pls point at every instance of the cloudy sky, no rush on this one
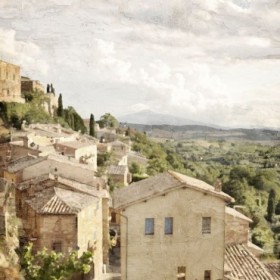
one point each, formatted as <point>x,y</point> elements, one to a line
<point>214,61</point>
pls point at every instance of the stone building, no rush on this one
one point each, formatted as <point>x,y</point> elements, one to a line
<point>172,227</point>
<point>83,151</point>
<point>10,85</point>
<point>119,174</point>
<point>62,216</point>
<point>31,85</point>
<point>241,255</point>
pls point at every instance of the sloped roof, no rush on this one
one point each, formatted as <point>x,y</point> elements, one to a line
<point>76,144</point>
<point>60,201</point>
<point>242,264</point>
<point>232,212</point>
<point>21,163</point>
<point>159,184</point>
<point>97,187</point>
<point>274,269</point>
<point>117,169</point>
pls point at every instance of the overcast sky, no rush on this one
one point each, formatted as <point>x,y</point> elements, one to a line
<point>214,61</point>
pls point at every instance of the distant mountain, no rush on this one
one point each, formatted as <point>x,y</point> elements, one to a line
<point>148,117</point>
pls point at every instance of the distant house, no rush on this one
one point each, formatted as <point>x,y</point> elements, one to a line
<point>119,174</point>
<point>83,151</point>
<point>106,135</point>
<point>31,85</point>
<point>172,227</point>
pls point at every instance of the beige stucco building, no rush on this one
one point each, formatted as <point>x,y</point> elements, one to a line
<point>10,85</point>
<point>172,227</point>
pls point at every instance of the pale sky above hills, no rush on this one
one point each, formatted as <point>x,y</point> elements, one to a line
<point>214,61</point>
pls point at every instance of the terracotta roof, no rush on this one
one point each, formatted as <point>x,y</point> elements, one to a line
<point>60,201</point>
<point>159,184</point>
<point>232,212</point>
<point>240,263</point>
<point>274,269</point>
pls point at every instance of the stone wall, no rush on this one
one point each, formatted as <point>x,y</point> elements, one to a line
<point>10,85</point>
<point>90,234</point>
<point>237,230</point>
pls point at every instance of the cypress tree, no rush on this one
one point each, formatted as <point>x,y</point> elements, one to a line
<point>271,205</point>
<point>92,126</point>
<point>60,106</point>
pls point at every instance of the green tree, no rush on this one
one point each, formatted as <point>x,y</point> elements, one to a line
<point>60,106</point>
<point>45,265</point>
<point>107,120</point>
<point>277,208</point>
<point>271,205</point>
<point>92,126</point>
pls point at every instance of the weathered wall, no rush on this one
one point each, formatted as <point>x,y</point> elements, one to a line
<point>53,228</point>
<point>31,85</point>
<point>158,256</point>
<point>237,230</point>
<point>105,230</point>
<point>10,83</point>
<point>90,154</point>
<point>90,234</point>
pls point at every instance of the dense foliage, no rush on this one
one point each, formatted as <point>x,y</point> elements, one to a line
<point>45,265</point>
<point>107,120</point>
<point>13,114</point>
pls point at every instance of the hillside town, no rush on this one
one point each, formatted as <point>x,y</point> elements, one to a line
<point>57,193</point>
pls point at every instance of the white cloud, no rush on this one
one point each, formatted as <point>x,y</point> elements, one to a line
<point>23,53</point>
<point>201,59</point>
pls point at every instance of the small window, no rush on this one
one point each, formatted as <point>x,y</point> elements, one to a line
<point>57,246</point>
<point>181,275</point>
<point>207,275</point>
<point>206,225</point>
<point>168,225</point>
<point>149,226</point>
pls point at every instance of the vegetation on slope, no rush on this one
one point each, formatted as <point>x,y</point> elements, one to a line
<point>13,114</point>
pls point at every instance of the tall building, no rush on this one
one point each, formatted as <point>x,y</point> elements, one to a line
<point>10,83</point>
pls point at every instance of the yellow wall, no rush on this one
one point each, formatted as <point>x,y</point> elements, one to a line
<point>90,234</point>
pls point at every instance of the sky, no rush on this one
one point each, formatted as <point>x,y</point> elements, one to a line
<point>214,61</point>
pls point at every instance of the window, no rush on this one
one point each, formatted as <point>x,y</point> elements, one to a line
<point>168,225</point>
<point>181,275</point>
<point>207,275</point>
<point>113,217</point>
<point>206,225</point>
<point>149,226</point>
<point>57,246</point>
